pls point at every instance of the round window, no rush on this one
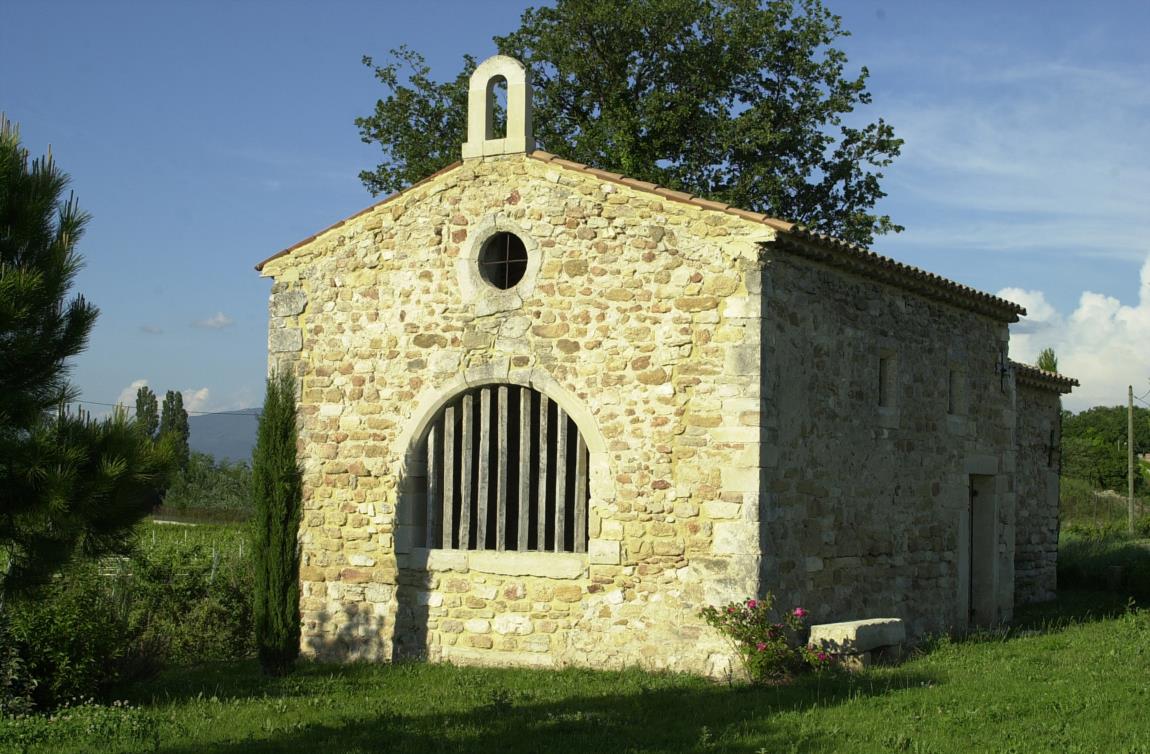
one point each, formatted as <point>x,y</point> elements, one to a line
<point>503,260</point>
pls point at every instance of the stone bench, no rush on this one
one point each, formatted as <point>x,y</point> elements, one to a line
<point>859,641</point>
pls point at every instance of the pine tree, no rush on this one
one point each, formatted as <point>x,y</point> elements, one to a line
<point>147,412</point>
<point>174,425</point>
<point>1047,360</point>
<point>277,498</point>
<point>67,484</point>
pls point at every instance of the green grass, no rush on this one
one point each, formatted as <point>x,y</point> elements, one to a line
<point>1073,677</point>
<point>228,538</point>
<point>1105,560</point>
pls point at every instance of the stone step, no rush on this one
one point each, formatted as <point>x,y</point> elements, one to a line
<point>858,636</point>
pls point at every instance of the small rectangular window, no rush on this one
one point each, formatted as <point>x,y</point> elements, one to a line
<point>887,380</point>
<point>957,403</point>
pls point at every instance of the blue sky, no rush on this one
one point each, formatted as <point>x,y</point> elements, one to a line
<point>204,137</point>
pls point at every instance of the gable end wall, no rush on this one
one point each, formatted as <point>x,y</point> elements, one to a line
<point>643,311</point>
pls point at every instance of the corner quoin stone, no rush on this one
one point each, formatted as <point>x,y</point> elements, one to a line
<point>285,340</point>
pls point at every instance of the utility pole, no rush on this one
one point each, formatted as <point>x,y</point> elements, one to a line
<point>1130,457</point>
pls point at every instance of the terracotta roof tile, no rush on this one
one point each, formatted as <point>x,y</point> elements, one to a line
<point>709,204</point>
<point>1026,374</point>
<point>636,183</point>
<point>672,194</point>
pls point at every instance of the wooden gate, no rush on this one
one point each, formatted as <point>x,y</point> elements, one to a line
<point>506,470</point>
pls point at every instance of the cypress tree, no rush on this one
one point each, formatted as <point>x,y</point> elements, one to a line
<point>277,497</point>
<point>147,412</point>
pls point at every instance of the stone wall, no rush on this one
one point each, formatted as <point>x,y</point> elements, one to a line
<point>727,389</point>
<point>638,314</point>
<point>1039,464</point>
<point>866,506</point>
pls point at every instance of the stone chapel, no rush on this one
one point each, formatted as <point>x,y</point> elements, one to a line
<point>548,412</point>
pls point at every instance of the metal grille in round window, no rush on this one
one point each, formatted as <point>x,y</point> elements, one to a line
<point>503,260</point>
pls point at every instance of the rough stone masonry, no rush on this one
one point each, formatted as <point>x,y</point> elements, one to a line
<point>762,409</point>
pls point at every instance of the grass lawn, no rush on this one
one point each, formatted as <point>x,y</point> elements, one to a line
<point>1050,684</point>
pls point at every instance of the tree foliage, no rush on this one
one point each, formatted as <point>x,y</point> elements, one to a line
<point>67,484</point>
<point>147,412</point>
<point>277,498</point>
<point>1047,360</point>
<point>743,101</point>
<point>174,426</point>
<point>210,484</point>
<point>1094,445</point>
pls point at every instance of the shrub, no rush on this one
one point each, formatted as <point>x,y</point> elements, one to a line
<point>99,623</point>
<point>190,606</point>
<point>16,683</point>
<point>770,651</point>
<point>72,636</point>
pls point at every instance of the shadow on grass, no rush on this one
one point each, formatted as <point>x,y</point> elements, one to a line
<point>646,713</point>
<point>1113,563</point>
<point>1071,607</point>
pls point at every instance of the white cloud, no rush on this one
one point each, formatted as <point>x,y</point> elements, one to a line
<point>151,330</point>
<point>217,321</point>
<point>127,396</point>
<point>196,399</point>
<point>1102,343</point>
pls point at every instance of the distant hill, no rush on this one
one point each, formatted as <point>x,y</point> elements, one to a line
<point>229,436</point>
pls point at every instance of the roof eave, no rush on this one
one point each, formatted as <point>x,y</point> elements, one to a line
<point>844,254</point>
<point>1027,374</point>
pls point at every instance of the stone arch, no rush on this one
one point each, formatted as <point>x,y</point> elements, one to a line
<point>481,137</point>
<point>411,499</point>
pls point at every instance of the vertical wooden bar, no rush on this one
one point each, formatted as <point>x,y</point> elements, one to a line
<point>501,473</point>
<point>465,476</point>
<point>581,495</point>
<point>541,500</point>
<point>484,465</point>
<point>560,479</point>
<point>448,477</point>
<point>433,501</point>
<point>524,467</point>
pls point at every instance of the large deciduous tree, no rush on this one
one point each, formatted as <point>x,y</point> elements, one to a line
<point>277,499</point>
<point>67,484</point>
<point>742,101</point>
<point>1094,445</point>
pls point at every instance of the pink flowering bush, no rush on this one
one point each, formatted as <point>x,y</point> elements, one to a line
<point>771,650</point>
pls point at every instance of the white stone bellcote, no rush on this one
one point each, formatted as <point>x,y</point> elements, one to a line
<point>482,141</point>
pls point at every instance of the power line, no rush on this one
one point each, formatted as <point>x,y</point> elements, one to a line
<point>190,413</point>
